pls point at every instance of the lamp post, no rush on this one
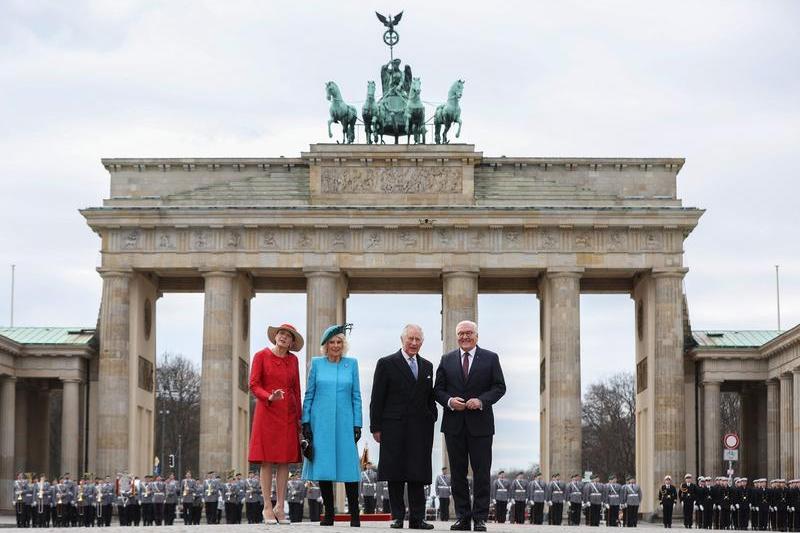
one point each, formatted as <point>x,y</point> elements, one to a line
<point>167,392</point>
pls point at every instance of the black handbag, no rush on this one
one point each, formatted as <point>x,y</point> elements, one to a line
<point>307,449</point>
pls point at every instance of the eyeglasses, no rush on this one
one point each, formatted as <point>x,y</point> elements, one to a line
<point>465,334</point>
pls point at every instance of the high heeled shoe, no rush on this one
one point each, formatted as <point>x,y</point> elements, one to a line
<point>282,519</point>
<point>267,519</point>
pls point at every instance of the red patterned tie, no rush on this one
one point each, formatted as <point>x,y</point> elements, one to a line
<point>465,365</point>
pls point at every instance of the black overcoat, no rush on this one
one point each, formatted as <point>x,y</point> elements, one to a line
<point>404,411</point>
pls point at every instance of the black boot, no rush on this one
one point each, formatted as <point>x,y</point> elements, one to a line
<point>326,490</point>
<point>351,489</point>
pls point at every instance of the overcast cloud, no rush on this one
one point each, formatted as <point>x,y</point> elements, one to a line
<point>714,82</point>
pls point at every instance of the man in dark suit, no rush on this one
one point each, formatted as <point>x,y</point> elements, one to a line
<point>468,382</point>
<point>402,413</point>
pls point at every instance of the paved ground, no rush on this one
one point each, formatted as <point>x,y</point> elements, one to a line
<point>308,527</point>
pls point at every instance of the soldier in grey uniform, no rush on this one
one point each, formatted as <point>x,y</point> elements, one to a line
<point>61,501</point>
<point>499,496</point>
<point>231,497</point>
<point>70,511</point>
<point>146,499</point>
<point>18,501</point>
<point>105,490</point>
<point>536,491</point>
<point>519,493</point>
<point>314,497</point>
<point>170,499</point>
<point>241,486</point>
<point>554,496</point>
<point>611,500</point>
<point>295,496</point>
<point>82,502</point>
<point>197,505</point>
<point>368,487</point>
<point>574,495</point>
<point>211,497</point>
<point>42,498</point>
<point>187,492</point>
<point>631,498</point>
<point>159,497</point>
<point>593,499</point>
<point>382,491</point>
<point>252,488</point>
<point>443,492</point>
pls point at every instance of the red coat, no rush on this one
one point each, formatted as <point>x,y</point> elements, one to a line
<point>274,437</point>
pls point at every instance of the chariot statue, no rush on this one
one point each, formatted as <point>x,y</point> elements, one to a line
<point>400,110</point>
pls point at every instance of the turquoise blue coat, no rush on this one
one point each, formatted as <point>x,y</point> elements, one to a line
<point>332,405</point>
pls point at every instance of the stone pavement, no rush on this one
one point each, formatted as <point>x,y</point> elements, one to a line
<point>308,527</point>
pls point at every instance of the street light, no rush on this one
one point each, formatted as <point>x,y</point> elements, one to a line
<point>167,392</point>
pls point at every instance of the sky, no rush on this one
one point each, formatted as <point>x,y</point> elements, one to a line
<point>713,82</point>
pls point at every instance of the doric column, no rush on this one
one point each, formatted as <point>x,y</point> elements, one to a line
<point>459,303</point>
<point>21,430</point>
<point>70,425</point>
<point>796,420</point>
<point>563,385</point>
<point>216,385</point>
<point>669,442</point>
<point>7,412</point>
<point>712,438</point>
<point>324,306</point>
<point>113,399</point>
<point>787,427</point>
<point>773,429</point>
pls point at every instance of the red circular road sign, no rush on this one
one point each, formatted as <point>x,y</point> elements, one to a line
<point>731,441</point>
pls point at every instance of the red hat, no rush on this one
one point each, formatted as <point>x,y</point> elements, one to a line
<point>297,343</point>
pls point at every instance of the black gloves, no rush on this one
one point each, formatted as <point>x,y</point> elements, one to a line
<point>357,433</point>
<point>307,435</point>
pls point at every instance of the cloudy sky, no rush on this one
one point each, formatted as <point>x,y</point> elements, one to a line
<point>714,82</point>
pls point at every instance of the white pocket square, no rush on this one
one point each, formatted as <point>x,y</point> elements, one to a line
<point>428,377</point>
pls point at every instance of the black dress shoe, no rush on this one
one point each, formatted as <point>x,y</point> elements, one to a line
<point>462,524</point>
<point>420,525</point>
<point>397,524</point>
<point>479,525</point>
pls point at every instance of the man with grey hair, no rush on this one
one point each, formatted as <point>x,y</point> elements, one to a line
<point>402,412</point>
<point>469,381</point>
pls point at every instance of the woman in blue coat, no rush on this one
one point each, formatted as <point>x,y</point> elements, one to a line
<point>332,422</point>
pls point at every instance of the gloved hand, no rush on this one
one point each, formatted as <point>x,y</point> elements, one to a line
<point>307,431</point>
<point>357,433</point>
<point>702,508</point>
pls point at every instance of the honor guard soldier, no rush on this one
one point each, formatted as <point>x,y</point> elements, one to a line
<point>106,490</point>
<point>686,496</point>
<point>211,497</point>
<point>231,497</point>
<point>241,484</point>
<point>119,500</point>
<point>735,503</point>
<point>760,497</point>
<point>536,489</point>
<point>83,502</point>
<point>593,499</point>
<point>727,503</point>
<point>699,500</point>
<point>574,496</point>
<point>631,499</point>
<point>251,502</point>
<point>296,495</point>
<point>314,496</point>
<point>745,503</point>
<point>708,504</point>
<point>42,499</point>
<point>171,489</point>
<point>187,491</point>
<point>146,501</point>
<point>667,496</point>
<point>368,487</point>
<point>612,501</point>
<point>443,492</point>
<point>61,499</point>
<point>197,505</point>
<point>21,507</point>
<point>159,497</point>
<point>499,496</point>
<point>519,493</point>
<point>793,495</point>
<point>781,504</point>
<point>383,496</point>
<point>555,500</point>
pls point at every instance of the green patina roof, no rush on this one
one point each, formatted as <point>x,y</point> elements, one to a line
<point>717,338</point>
<point>48,335</point>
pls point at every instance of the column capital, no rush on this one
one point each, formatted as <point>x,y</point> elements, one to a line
<point>218,273</point>
<point>786,376</point>
<point>311,271</point>
<point>771,382</point>
<point>669,272</point>
<point>70,380</point>
<point>706,382</point>
<point>115,272</point>
<point>565,272</point>
<point>796,371</point>
<point>460,271</point>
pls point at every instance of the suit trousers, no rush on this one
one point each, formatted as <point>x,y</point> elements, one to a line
<point>667,516</point>
<point>537,513</point>
<point>416,501</point>
<point>612,515</point>
<point>555,514</point>
<point>463,450</point>
<point>519,512</point>
<point>500,511</point>
<point>369,504</point>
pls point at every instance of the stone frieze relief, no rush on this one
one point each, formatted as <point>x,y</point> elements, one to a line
<point>391,180</point>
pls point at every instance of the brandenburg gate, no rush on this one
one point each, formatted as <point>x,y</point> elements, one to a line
<point>344,219</point>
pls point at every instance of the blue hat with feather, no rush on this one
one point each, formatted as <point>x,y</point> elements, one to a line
<point>331,331</point>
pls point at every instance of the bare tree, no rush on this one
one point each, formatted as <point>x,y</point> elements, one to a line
<point>730,413</point>
<point>609,410</point>
<point>178,391</point>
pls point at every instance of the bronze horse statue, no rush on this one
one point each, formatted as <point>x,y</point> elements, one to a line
<point>341,112</point>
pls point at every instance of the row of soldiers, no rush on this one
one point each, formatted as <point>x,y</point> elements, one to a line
<point>591,499</point>
<point>150,501</point>
<point>724,503</point>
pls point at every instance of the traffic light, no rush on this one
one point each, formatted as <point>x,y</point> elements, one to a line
<point>172,460</point>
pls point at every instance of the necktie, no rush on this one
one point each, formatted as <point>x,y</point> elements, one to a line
<point>412,361</point>
<point>465,365</point>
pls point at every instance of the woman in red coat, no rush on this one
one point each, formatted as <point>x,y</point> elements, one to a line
<point>275,437</point>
